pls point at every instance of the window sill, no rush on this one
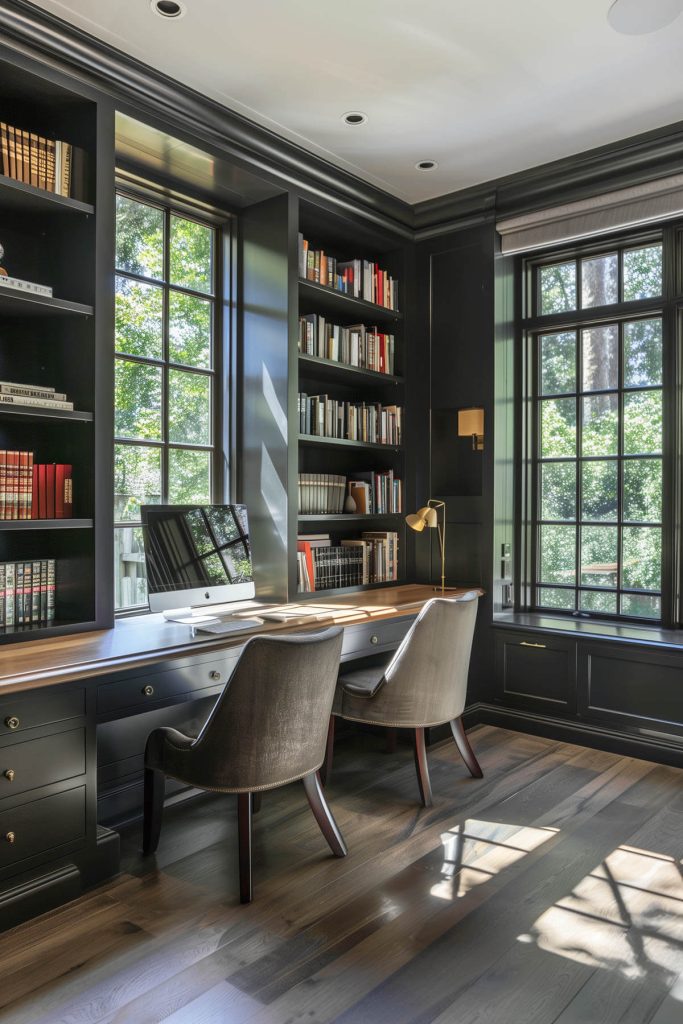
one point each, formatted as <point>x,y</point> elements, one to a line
<point>594,629</point>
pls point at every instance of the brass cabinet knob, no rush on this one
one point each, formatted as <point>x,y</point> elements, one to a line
<point>215,675</point>
<point>9,774</point>
<point>374,639</point>
<point>10,837</point>
<point>148,691</point>
<point>12,722</point>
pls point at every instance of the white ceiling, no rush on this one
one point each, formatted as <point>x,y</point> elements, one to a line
<point>484,87</point>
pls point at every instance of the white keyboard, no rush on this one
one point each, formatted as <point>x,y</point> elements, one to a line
<point>228,626</point>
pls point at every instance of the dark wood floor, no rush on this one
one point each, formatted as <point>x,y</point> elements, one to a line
<point>549,891</point>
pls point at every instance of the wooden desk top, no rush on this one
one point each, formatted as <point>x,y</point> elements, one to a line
<point>144,640</point>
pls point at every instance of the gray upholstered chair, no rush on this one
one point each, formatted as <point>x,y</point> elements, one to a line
<point>268,728</point>
<point>424,684</point>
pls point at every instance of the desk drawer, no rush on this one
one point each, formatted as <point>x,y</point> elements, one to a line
<point>371,637</point>
<point>33,763</point>
<point>148,690</point>
<point>22,712</point>
<point>41,825</point>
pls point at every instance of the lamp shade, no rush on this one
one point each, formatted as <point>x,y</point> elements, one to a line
<point>424,516</point>
<point>470,422</point>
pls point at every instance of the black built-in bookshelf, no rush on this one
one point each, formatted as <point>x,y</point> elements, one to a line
<point>61,342</point>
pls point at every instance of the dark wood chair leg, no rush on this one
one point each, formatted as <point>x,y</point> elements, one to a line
<point>155,785</point>
<point>323,814</point>
<point>244,810</point>
<point>463,745</point>
<point>422,768</point>
<point>326,766</point>
<point>391,741</point>
<point>256,801</point>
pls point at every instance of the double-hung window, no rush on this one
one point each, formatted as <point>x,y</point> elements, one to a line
<point>593,344</point>
<point>167,353</point>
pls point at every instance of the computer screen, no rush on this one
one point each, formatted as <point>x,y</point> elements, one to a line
<point>196,554</point>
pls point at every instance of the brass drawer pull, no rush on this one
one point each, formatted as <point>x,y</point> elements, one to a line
<point>374,639</point>
<point>525,643</point>
<point>148,691</point>
<point>12,722</point>
<point>10,837</point>
<point>215,675</point>
<point>9,774</point>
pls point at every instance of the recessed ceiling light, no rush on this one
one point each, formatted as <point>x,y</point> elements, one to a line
<point>168,8</point>
<point>426,165</point>
<point>639,17</point>
<point>354,117</point>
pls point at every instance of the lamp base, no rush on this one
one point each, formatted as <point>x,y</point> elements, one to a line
<point>445,590</point>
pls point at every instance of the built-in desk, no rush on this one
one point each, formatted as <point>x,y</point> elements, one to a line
<point>55,695</point>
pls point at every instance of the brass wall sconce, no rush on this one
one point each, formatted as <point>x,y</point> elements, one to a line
<point>428,516</point>
<point>471,424</point>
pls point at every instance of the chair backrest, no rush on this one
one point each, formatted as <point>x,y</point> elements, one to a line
<point>425,682</point>
<point>269,725</point>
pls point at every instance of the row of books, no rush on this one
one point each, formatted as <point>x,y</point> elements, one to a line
<point>45,163</point>
<point>34,396</point>
<point>30,490</point>
<point>321,565</point>
<point>375,493</point>
<point>362,279</point>
<point>27,593</point>
<point>356,345</point>
<point>371,422</point>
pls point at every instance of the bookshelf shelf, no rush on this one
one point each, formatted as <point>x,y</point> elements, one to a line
<point>332,370</point>
<point>340,591</point>
<point>45,524</point>
<point>349,517</point>
<point>17,195</point>
<point>16,303</point>
<point>32,414</point>
<point>328,300</point>
<point>342,442</point>
<point>60,627</point>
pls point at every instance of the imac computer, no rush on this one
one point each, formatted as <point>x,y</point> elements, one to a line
<point>196,556</point>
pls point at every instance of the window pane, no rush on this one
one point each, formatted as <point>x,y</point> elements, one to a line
<point>553,597</point>
<point>130,574</point>
<point>557,554</point>
<point>642,353</point>
<point>558,363</point>
<point>642,605</point>
<point>642,557</point>
<point>599,489</point>
<point>137,480</point>
<point>139,238</point>
<point>598,601</point>
<point>643,490</point>
<point>558,287</point>
<point>189,330</point>
<point>191,255</point>
<point>642,422</point>
<point>558,427</point>
<point>600,358</point>
<point>189,407</point>
<point>599,556</point>
<point>138,401</point>
<point>600,280</point>
<point>139,330</point>
<point>558,490</point>
<point>600,425</point>
<point>188,477</point>
<point>642,272</point>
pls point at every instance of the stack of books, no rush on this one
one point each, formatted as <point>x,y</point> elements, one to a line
<point>45,163</point>
<point>371,422</point>
<point>321,493</point>
<point>376,493</point>
<point>362,279</point>
<point>27,593</point>
<point>356,345</point>
<point>32,491</point>
<point>16,478</point>
<point>379,554</point>
<point>321,565</point>
<point>34,396</point>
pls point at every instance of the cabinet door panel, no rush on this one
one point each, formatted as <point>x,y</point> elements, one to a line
<point>40,825</point>
<point>631,686</point>
<point>42,707</point>
<point>535,670</point>
<point>33,763</point>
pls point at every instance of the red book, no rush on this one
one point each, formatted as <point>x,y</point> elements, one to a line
<point>63,492</point>
<point>303,545</point>
<point>42,492</point>
<point>35,506</point>
<point>50,490</point>
<point>12,494</point>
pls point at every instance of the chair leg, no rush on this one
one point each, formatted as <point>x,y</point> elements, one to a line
<point>244,810</point>
<point>256,801</point>
<point>463,745</point>
<point>422,768</point>
<point>323,815</point>
<point>155,785</point>
<point>326,766</point>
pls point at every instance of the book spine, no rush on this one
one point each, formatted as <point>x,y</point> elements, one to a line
<point>10,594</point>
<point>51,590</point>
<point>22,390</point>
<point>50,490</point>
<point>3,595</point>
<point>43,590</point>
<point>35,592</point>
<point>35,514</point>
<point>35,403</point>
<point>50,164</point>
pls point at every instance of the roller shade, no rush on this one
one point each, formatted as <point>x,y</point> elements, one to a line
<point>625,208</point>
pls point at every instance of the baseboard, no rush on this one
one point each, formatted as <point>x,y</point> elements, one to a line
<point>38,895</point>
<point>586,734</point>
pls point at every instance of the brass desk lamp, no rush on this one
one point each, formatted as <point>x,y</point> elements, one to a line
<point>428,516</point>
